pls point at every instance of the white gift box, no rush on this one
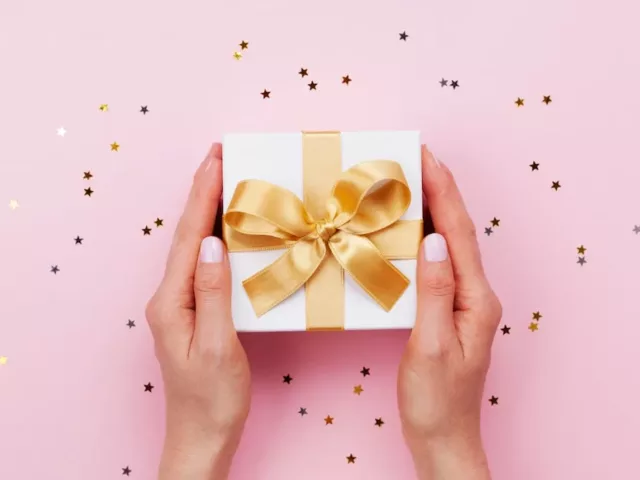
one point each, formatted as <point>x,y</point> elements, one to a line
<point>278,159</point>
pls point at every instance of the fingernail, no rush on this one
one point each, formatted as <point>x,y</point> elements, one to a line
<point>435,248</point>
<point>211,250</point>
<point>430,155</point>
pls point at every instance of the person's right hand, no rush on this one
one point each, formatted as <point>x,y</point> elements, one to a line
<point>443,369</point>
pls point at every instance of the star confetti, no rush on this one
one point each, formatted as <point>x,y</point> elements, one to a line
<point>148,387</point>
<point>104,107</point>
<point>266,93</point>
<point>61,132</point>
<point>3,360</point>
<point>115,147</point>
<point>303,72</point>
<point>13,204</point>
<point>534,166</point>
<point>443,82</point>
<point>506,330</point>
<point>636,229</point>
<point>555,185</point>
<point>488,231</point>
<point>379,422</point>
<point>302,411</point>
<point>581,249</point>
<point>146,231</point>
<point>581,261</point>
<point>88,192</point>
<point>493,400</point>
<point>546,99</point>
<point>126,471</point>
<point>358,389</point>
<point>328,420</point>
<point>144,109</point>
<point>533,326</point>
<point>287,379</point>
<point>455,84</point>
<point>536,316</point>
<point>365,371</point>
<point>312,85</point>
<point>346,79</point>
<point>519,102</point>
<point>131,324</point>
<point>495,222</point>
<point>404,36</point>
<point>87,176</point>
<point>351,458</point>
<point>159,222</point>
<point>237,55</point>
<point>54,269</point>
<point>78,240</point>
<point>244,45</point>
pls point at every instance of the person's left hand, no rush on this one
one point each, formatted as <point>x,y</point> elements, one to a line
<point>204,367</point>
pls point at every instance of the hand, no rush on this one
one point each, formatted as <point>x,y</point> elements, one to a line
<point>443,369</point>
<point>204,367</point>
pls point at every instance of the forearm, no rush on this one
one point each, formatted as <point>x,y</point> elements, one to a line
<point>450,460</point>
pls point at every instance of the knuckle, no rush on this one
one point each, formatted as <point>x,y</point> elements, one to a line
<point>209,281</point>
<point>491,307</point>
<point>431,349</point>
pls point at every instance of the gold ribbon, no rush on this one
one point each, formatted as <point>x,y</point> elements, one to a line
<point>351,225</point>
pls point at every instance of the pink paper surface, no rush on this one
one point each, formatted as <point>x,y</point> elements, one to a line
<point>72,401</point>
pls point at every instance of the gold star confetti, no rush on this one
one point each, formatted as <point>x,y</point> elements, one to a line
<point>3,360</point>
<point>244,45</point>
<point>104,107</point>
<point>495,222</point>
<point>346,79</point>
<point>555,185</point>
<point>328,420</point>
<point>533,326</point>
<point>546,99</point>
<point>351,458</point>
<point>237,55</point>
<point>536,316</point>
<point>115,147</point>
<point>519,102</point>
<point>13,204</point>
<point>358,389</point>
<point>582,249</point>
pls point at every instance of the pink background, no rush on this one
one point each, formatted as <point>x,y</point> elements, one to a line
<point>72,402</point>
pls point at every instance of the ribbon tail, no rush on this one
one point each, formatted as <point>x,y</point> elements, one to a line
<point>366,264</point>
<point>278,281</point>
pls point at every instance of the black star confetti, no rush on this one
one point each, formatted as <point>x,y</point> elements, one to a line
<point>88,192</point>
<point>506,330</point>
<point>126,471</point>
<point>144,110</point>
<point>379,422</point>
<point>131,324</point>
<point>493,400</point>
<point>455,84</point>
<point>287,379</point>
<point>303,72</point>
<point>148,387</point>
<point>546,99</point>
<point>519,102</point>
<point>312,85</point>
<point>146,231</point>
<point>244,45</point>
<point>488,231</point>
<point>555,185</point>
<point>404,36</point>
<point>351,458</point>
<point>266,93</point>
<point>87,176</point>
<point>581,261</point>
<point>536,316</point>
<point>365,371</point>
<point>346,79</point>
<point>302,411</point>
<point>636,229</point>
<point>159,222</point>
<point>78,240</point>
<point>495,222</point>
<point>443,82</point>
<point>534,166</point>
<point>54,269</point>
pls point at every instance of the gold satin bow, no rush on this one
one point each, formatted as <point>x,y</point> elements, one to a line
<point>366,199</point>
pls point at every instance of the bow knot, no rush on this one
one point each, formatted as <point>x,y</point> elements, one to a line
<point>325,230</point>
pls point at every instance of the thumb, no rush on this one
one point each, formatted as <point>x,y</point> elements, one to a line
<point>212,290</point>
<point>436,289</point>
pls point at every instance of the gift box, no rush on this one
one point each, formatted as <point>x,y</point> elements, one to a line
<point>323,229</point>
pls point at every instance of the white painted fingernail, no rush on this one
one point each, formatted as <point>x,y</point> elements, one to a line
<point>211,250</point>
<point>435,248</point>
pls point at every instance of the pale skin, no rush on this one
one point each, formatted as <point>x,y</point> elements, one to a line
<point>440,379</point>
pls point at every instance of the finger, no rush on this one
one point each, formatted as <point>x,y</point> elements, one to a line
<point>450,218</point>
<point>197,221</point>
<point>212,289</point>
<point>435,330</point>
